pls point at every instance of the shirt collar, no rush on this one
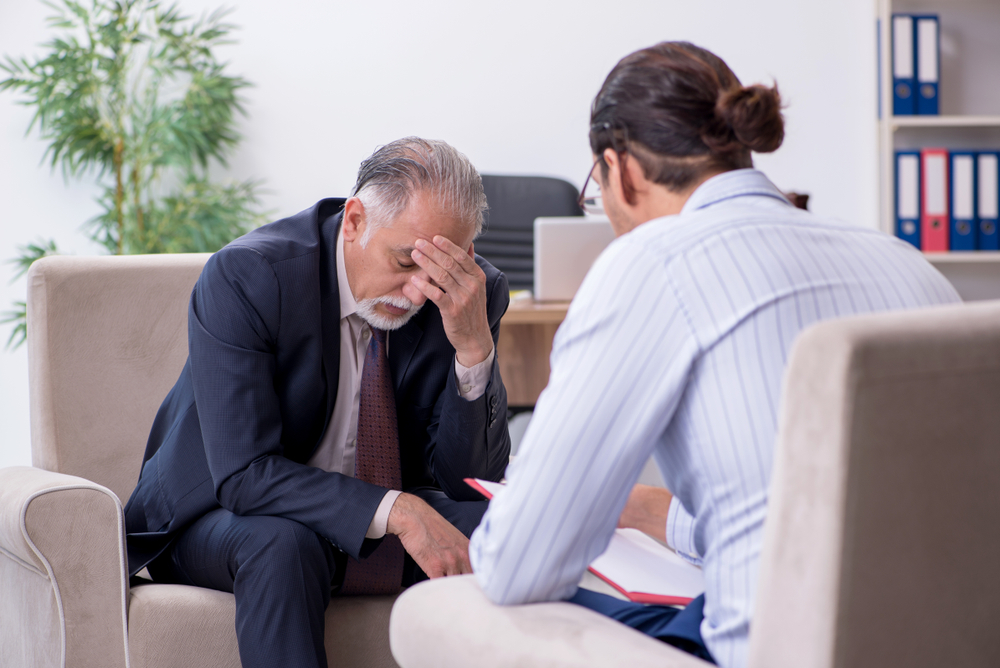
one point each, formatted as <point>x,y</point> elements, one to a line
<point>348,305</point>
<point>735,183</point>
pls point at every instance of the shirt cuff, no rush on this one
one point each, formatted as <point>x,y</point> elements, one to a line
<point>472,382</point>
<point>680,532</point>
<point>377,528</point>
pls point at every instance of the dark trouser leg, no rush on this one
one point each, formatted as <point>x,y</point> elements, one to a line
<point>464,516</point>
<point>280,572</point>
<point>680,628</point>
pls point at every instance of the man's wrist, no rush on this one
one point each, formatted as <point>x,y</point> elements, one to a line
<point>401,515</point>
<point>380,522</point>
<point>472,381</point>
<point>470,357</point>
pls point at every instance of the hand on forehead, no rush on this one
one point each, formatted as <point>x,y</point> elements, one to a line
<point>457,286</point>
<point>426,218</point>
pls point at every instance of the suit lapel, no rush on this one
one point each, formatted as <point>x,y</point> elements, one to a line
<point>330,307</point>
<point>331,351</point>
<point>402,344</point>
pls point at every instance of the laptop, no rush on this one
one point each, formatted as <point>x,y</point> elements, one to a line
<point>565,248</point>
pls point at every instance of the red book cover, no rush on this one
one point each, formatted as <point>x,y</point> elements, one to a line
<point>475,484</point>
<point>934,200</point>
<point>641,596</point>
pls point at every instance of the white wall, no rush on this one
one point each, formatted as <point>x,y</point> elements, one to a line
<point>508,83</point>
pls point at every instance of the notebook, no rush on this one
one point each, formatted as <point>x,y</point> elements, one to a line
<point>637,566</point>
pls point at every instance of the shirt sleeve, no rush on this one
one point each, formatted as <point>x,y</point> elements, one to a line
<point>680,532</point>
<point>472,381</point>
<point>381,519</point>
<point>619,364</point>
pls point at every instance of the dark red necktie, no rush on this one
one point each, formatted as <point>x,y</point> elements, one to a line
<point>377,461</point>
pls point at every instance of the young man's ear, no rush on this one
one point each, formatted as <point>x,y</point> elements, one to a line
<point>614,177</point>
<point>622,168</point>
<point>354,219</point>
<point>611,159</point>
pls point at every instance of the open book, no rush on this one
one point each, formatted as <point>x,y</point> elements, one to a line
<point>636,565</point>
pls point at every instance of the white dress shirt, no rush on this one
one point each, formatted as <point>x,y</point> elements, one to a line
<point>675,346</point>
<point>336,451</point>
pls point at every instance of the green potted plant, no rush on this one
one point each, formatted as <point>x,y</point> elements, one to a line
<point>130,93</point>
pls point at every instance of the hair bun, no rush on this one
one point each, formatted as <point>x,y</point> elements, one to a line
<point>754,114</point>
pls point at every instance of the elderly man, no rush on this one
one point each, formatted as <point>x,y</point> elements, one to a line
<point>317,438</point>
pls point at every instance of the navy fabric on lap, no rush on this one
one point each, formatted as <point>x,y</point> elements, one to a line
<point>277,568</point>
<point>680,628</point>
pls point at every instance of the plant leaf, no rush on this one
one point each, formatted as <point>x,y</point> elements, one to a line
<point>19,316</point>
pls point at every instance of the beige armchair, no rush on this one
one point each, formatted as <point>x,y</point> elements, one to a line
<point>882,544</point>
<point>107,338</point>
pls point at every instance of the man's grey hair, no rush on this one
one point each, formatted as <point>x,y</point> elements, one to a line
<point>395,172</point>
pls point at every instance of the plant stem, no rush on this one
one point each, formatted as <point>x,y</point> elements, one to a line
<point>119,192</point>
<point>138,203</point>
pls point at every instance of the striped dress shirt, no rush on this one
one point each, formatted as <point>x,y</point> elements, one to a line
<point>675,347</point>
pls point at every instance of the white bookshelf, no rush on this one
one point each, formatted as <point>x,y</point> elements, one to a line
<point>962,257</point>
<point>969,92</point>
<point>898,122</point>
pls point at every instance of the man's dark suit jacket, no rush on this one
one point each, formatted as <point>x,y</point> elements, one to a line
<point>260,383</point>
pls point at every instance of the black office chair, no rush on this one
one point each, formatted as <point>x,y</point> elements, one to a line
<point>508,240</point>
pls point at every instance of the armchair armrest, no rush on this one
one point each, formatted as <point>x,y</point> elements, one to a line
<point>62,571</point>
<point>449,623</point>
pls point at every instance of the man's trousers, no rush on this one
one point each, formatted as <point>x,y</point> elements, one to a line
<point>678,627</point>
<point>281,573</point>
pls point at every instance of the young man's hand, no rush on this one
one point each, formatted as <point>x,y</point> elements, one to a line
<point>646,510</point>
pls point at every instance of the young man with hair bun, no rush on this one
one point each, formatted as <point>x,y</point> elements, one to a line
<point>675,346</point>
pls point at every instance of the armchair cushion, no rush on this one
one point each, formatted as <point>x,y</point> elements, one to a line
<point>176,626</point>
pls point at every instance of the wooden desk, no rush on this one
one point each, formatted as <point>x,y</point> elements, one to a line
<point>526,333</point>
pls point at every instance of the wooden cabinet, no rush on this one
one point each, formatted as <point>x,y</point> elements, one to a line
<point>526,334</point>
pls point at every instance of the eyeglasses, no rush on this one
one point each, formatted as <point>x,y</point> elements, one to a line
<point>591,201</point>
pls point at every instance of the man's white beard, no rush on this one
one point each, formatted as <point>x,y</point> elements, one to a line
<point>366,309</point>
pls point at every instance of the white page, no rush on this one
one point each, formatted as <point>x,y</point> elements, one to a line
<point>637,563</point>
